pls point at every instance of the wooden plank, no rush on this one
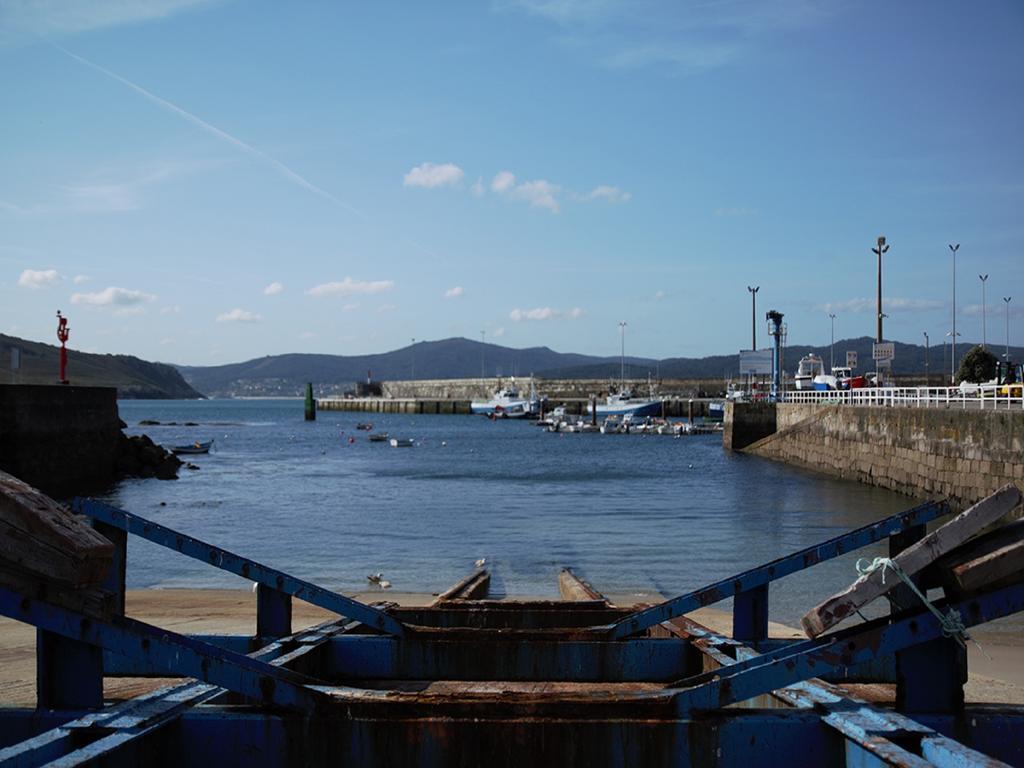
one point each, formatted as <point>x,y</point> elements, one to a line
<point>911,560</point>
<point>992,568</point>
<point>572,587</point>
<point>41,537</point>
<point>940,573</point>
<point>473,587</point>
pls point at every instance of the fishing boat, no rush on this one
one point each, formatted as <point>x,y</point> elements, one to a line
<point>401,442</point>
<point>623,403</point>
<point>365,426</point>
<point>196,447</point>
<point>379,437</point>
<point>809,367</point>
<point>508,403</point>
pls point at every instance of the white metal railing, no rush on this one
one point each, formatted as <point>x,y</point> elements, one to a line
<point>967,396</point>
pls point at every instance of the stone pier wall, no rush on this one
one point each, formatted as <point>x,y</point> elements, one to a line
<point>60,439</point>
<point>926,452</point>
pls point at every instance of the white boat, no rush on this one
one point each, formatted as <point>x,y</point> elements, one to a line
<point>612,426</point>
<point>401,442</point>
<point>809,367</point>
<point>622,403</point>
<point>508,403</point>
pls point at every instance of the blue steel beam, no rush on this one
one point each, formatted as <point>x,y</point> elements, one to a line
<point>761,674</point>
<point>178,654</point>
<point>134,719</point>
<point>241,566</point>
<point>868,729</point>
<point>784,566</point>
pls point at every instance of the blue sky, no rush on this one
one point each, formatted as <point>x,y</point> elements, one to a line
<point>207,182</point>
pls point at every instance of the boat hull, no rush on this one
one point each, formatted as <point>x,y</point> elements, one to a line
<point>638,408</point>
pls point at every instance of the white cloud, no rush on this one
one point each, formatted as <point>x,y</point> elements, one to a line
<point>478,187</point>
<point>545,313</point>
<point>430,175</point>
<point>895,304</point>
<point>33,20</point>
<point>503,181</point>
<point>166,341</point>
<point>608,193</point>
<point>453,293</point>
<point>79,279</point>
<point>350,287</point>
<point>38,278</point>
<point>539,194</point>
<point>307,335</point>
<point>273,289</point>
<point>112,296</point>
<point>238,316</point>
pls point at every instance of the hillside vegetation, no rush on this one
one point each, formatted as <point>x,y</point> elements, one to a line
<point>133,378</point>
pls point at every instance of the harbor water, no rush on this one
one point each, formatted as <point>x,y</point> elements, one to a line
<point>637,516</point>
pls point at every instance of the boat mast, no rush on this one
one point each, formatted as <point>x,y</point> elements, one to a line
<point>622,356</point>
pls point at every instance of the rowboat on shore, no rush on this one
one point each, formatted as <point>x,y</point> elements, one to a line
<point>196,447</point>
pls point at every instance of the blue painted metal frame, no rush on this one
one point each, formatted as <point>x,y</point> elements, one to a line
<point>763,575</point>
<point>802,661</point>
<point>241,566</point>
<point>179,654</point>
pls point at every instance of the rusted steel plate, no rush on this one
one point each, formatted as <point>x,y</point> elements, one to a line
<point>572,587</point>
<point>474,586</point>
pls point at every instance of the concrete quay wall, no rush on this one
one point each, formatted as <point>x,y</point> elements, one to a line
<point>60,439</point>
<point>924,452</point>
<point>553,389</point>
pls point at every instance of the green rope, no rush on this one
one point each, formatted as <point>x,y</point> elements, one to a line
<point>952,624</point>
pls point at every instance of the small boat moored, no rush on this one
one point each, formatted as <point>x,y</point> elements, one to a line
<point>401,442</point>
<point>379,437</point>
<point>196,447</point>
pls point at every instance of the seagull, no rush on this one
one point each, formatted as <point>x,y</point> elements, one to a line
<point>384,584</point>
<point>375,578</point>
<point>480,563</point>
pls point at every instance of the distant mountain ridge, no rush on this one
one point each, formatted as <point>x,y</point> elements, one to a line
<point>459,358</point>
<point>131,376</point>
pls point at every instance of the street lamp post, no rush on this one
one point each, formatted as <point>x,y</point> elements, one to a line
<point>832,345</point>
<point>1007,300</point>
<point>622,354</point>
<point>952,365</point>
<point>984,335</point>
<point>927,378</point>
<point>879,250</point>
<point>753,316</point>
<point>952,356</point>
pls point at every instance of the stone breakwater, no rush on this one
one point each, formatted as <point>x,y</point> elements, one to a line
<point>963,455</point>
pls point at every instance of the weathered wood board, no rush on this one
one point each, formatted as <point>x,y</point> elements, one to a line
<point>914,558</point>
<point>41,538</point>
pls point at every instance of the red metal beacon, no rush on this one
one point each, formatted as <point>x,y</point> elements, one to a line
<point>62,335</point>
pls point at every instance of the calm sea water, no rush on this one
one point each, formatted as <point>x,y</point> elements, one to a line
<point>634,515</point>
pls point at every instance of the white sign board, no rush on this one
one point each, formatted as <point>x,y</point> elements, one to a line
<point>885,351</point>
<point>755,362</point>
<point>851,359</point>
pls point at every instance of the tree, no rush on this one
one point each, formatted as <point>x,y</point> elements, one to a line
<point>978,366</point>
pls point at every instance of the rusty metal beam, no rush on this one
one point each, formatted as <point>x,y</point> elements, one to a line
<point>475,586</point>
<point>572,587</point>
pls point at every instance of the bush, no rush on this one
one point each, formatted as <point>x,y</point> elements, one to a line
<point>978,366</point>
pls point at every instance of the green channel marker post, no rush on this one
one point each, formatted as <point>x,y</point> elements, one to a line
<point>310,403</point>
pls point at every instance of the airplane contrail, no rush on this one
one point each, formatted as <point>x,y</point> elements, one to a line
<point>215,131</point>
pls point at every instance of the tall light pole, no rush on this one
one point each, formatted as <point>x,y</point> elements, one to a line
<point>984,339</point>
<point>927,378</point>
<point>832,346</point>
<point>952,357</point>
<point>879,250</point>
<point>1007,300</point>
<point>622,353</point>
<point>753,316</point>
<point>952,367</point>
<point>482,336</point>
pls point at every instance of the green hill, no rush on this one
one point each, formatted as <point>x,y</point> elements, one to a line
<point>133,378</point>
